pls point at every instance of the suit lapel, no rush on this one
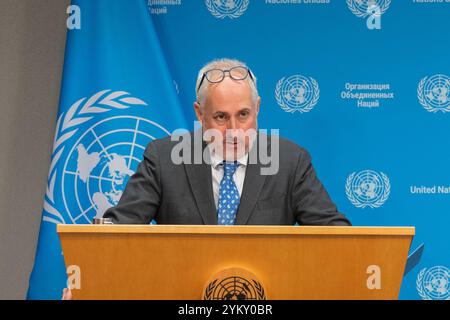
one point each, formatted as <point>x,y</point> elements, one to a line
<point>200,180</point>
<point>253,184</point>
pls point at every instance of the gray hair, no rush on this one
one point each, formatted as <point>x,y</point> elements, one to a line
<point>223,64</point>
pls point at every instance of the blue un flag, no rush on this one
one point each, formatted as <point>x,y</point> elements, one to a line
<point>116,96</point>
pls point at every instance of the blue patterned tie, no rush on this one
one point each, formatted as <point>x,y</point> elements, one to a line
<point>228,195</point>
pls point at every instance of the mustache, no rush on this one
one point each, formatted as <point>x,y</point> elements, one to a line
<point>233,140</point>
<point>229,140</point>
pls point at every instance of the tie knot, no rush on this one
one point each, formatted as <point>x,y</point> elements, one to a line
<point>229,168</point>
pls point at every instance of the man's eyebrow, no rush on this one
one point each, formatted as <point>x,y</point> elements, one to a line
<point>238,111</point>
<point>244,109</point>
<point>220,112</point>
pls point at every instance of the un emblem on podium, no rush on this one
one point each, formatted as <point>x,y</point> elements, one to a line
<point>234,284</point>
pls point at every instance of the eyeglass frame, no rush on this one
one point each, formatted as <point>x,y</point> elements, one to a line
<point>224,74</point>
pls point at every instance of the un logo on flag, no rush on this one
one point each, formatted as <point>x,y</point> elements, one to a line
<point>434,93</point>
<point>297,93</point>
<point>101,162</point>
<point>434,284</point>
<point>88,176</point>
<point>227,8</point>
<point>367,188</point>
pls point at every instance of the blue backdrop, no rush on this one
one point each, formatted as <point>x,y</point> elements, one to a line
<point>363,85</point>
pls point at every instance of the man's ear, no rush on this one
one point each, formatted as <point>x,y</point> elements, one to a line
<point>258,102</point>
<point>198,112</point>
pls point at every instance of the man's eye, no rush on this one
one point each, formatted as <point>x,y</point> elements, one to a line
<point>244,114</point>
<point>220,117</point>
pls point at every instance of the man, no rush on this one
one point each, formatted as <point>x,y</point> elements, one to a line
<point>225,187</point>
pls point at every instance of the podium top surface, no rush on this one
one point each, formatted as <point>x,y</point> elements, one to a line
<point>255,230</point>
<point>179,262</point>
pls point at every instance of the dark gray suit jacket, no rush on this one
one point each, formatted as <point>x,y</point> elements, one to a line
<point>182,194</point>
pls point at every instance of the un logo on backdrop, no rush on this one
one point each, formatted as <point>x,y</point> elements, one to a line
<point>98,165</point>
<point>297,93</point>
<point>372,10</point>
<point>434,284</point>
<point>367,188</point>
<point>434,93</point>
<point>364,8</point>
<point>227,8</point>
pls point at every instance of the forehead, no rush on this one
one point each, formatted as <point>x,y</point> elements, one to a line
<point>229,92</point>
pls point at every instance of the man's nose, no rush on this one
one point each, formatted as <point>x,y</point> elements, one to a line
<point>232,124</point>
<point>232,131</point>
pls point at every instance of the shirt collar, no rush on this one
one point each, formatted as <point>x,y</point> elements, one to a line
<point>217,160</point>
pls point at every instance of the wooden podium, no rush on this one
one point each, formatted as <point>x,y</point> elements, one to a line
<point>235,262</point>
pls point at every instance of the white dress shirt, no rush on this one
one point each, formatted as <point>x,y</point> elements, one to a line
<point>217,174</point>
